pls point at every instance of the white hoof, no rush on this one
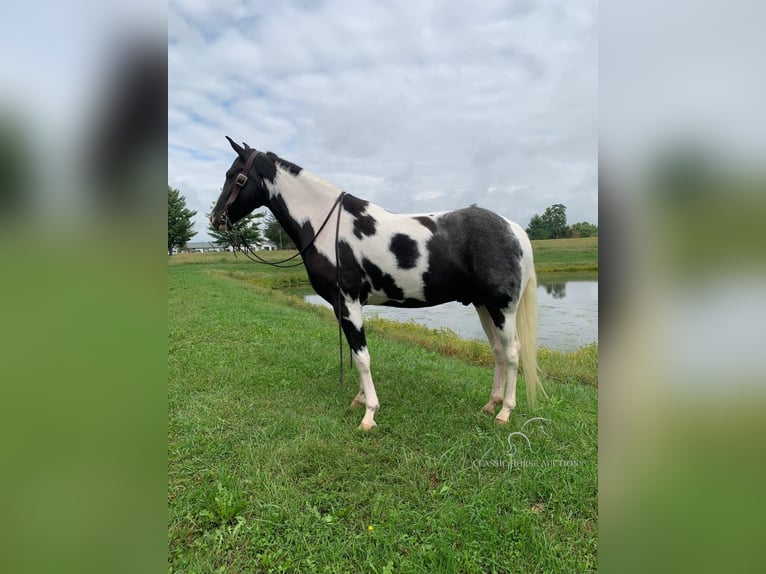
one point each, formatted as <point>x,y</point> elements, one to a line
<point>367,427</point>
<point>503,416</point>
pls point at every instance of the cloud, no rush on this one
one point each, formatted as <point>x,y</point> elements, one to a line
<point>413,106</point>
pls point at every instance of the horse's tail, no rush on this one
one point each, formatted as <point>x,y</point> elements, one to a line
<point>526,327</point>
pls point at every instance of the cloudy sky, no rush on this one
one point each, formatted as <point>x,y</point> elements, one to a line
<point>416,106</point>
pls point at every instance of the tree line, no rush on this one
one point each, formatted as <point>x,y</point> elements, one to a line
<point>552,224</point>
<point>260,226</point>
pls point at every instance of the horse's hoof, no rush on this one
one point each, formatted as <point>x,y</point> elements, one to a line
<point>499,421</point>
<point>356,404</point>
<point>489,408</point>
<point>367,427</point>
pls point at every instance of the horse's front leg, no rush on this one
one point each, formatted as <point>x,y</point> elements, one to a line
<point>354,330</point>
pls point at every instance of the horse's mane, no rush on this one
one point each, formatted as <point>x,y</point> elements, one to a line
<point>294,169</point>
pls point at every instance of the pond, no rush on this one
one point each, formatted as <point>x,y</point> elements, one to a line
<point>567,316</point>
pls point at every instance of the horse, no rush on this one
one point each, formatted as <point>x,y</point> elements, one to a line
<point>376,257</point>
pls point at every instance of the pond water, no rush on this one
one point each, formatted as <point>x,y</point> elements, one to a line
<point>567,315</point>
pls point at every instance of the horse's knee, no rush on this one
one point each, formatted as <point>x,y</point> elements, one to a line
<point>512,355</point>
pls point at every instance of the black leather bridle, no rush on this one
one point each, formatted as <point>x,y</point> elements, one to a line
<point>240,181</point>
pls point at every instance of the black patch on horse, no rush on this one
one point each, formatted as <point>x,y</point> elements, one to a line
<point>265,166</point>
<point>350,271</point>
<point>405,249</point>
<point>354,205</point>
<point>364,224</point>
<point>382,281</point>
<point>300,234</point>
<point>474,258</point>
<point>427,221</point>
<point>322,274</point>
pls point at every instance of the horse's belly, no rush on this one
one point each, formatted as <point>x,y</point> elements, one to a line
<point>398,290</point>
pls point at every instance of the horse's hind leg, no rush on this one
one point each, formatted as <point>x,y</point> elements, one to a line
<point>498,385</point>
<point>511,347</point>
<point>500,327</point>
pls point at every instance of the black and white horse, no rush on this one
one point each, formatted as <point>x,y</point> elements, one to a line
<point>470,255</point>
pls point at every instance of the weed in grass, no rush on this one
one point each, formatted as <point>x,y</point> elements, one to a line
<point>224,508</point>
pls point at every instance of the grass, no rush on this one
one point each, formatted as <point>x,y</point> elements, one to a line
<point>553,256</point>
<point>579,366</point>
<point>267,472</point>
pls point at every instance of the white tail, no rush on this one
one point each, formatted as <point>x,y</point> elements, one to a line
<point>526,327</point>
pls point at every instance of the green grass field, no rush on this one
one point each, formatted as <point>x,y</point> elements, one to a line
<point>554,256</point>
<point>267,471</point>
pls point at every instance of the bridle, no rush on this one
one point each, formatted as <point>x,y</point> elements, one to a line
<point>240,181</point>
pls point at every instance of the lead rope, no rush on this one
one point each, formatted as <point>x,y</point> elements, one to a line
<point>337,286</point>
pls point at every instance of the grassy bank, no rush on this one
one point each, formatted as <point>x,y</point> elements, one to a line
<point>267,472</point>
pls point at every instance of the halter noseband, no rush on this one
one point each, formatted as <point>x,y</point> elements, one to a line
<point>240,181</point>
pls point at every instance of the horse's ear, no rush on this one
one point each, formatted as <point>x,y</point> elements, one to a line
<point>247,147</point>
<point>236,147</point>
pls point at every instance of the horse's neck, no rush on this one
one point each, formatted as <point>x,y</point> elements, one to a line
<point>297,200</point>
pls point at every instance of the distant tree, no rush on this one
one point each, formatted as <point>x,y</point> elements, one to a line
<point>583,229</point>
<point>276,234</point>
<point>552,224</point>
<point>556,217</point>
<point>179,220</point>
<point>247,231</point>
<point>537,228</point>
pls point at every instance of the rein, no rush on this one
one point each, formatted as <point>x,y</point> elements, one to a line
<point>253,256</point>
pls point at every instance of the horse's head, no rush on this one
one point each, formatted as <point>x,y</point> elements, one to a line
<point>244,189</point>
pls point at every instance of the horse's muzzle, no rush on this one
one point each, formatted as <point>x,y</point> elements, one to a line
<point>218,222</point>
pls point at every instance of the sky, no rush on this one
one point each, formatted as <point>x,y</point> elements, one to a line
<point>415,106</point>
